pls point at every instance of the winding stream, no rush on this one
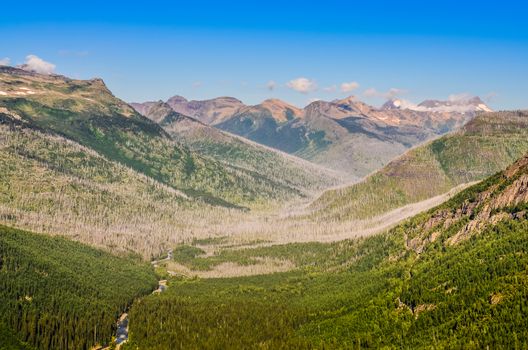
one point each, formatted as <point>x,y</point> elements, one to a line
<point>122,329</point>
<point>122,323</point>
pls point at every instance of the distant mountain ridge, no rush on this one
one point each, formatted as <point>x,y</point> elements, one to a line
<point>463,104</point>
<point>211,111</point>
<point>240,152</point>
<point>345,135</point>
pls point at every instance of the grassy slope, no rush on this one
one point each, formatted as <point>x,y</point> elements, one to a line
<point>413,287</point>
<point>487,144</point>
<point>55,293</point>
<point>88,113</point>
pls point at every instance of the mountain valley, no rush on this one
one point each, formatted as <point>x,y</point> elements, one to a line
<point>268,226</point>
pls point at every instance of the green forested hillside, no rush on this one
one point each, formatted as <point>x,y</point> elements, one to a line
<point>59,294</point>
<point>88,113</point>
<point>53,185</point>
<point>487,144</point>
<point>79,162</point>
<point>453,277</point>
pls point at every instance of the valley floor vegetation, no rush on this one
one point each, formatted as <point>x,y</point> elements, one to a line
<point>453,277</point>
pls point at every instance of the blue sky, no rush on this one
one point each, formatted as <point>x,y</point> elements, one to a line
<point>253,51</point>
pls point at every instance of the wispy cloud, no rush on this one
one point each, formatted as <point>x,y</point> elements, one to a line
<point>390,94</point>
<point>197,84</point>
<point>302,85</point>
<point>370,92</point>
<point>36,64</point>
<point>271,85</point>
<point>332,88</point>
<point>5,61</point>
<point>348,87</point>
<point>393,93</point>
<point>490,97</point>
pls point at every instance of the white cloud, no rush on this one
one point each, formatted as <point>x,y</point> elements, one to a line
<point>38,65</point>
<point>393,93</point>
<point>348,87</point>
<point>332,88</point>
<point>271,85</point>
<point>197,84</point>
<point>5,61</point>
<point>302,85</point>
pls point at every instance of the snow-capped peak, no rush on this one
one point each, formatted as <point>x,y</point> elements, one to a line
<point>461,104</point>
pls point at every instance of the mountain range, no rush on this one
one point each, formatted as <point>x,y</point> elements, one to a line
<point>344,135</point>
<point>240,152</point>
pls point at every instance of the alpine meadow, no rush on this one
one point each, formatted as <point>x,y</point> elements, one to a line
<point>205,175</point>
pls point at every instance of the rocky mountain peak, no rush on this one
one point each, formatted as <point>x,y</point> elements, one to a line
<point>350,100</point>
<point>176,99</point>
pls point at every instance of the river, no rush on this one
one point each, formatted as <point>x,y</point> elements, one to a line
<point>122,322</point>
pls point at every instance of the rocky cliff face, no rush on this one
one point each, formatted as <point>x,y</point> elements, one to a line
<point>501,197</point>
